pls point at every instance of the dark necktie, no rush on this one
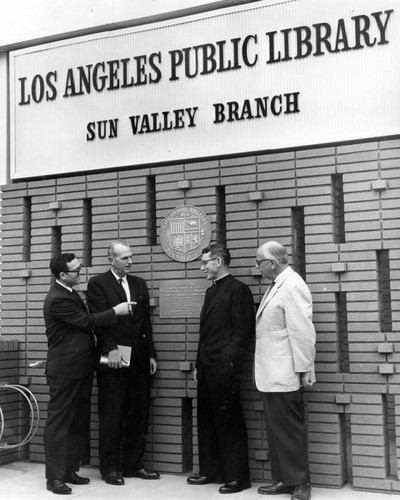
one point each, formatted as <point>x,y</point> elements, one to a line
<point>271,286</point>
<point>120,280</point>
<point>264,298</point>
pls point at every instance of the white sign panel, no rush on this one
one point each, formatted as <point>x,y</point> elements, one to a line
<point>252,78</point>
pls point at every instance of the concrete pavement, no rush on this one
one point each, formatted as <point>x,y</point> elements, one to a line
<point>25,481</point>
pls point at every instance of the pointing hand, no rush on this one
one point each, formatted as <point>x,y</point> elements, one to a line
<point>124,308</point>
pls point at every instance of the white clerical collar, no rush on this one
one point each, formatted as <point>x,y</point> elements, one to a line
<point>221,278</point>
<point>65,286</point>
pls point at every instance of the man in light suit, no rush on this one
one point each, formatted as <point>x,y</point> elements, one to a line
<point>226,331</point>
<point>284,365</point>
<point>69,372</point>
<point>124,392</point>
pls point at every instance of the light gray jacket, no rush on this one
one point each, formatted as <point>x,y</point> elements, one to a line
<point>285,335</point>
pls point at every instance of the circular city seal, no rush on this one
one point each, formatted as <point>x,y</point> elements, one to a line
<point>185,231</point>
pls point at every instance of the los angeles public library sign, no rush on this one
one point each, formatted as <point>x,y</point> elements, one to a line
<point>244,79</point>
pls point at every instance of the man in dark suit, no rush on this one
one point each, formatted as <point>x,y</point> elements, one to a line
<point>226,330</point>
<point>69,371</point>
<point>124,392</point>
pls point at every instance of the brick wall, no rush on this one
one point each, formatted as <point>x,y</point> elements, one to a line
<point>13,406</point>
<point>335,208</point>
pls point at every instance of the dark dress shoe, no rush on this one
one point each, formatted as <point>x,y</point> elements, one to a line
<point>302,492</point>
<point>198,479</point>
<point>113,478</point>
<point>73,478</point>
<point>142,474</point>
<point>58,487</point>
<point>235,486</point>
<point>275,489</point>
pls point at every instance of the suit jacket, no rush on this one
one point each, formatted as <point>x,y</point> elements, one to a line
<point>134,330</point>
<point>226,326</point>
<point>285,335</point>
<point>69,330</point>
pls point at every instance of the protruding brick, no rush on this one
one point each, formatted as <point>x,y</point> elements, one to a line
<point>386,369</point>
<point>386,348</point>
<point>343,399</point>
<point>379,185</point>
<point>55,205</point>
<point>256,196</point>
<point>339,267</point>
<point>25,273</point>
<point>185,366</point>
<point>25,381</point>
<point>185,184</point>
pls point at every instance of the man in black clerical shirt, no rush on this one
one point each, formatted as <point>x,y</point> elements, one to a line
<point>226,330</point>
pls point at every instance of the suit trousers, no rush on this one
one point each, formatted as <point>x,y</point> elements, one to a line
<point>287,438</point>
<point>67,426</point>
<point>124,402</point>
<point>222,432</point>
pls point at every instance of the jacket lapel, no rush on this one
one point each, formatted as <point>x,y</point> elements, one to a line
<point>116,286</point>
<point>74,295</point>
<point>132,288</point>
<point>268,296</point>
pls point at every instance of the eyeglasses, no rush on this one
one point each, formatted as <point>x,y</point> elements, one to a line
<point>77,270</point>
<point>260,261</point>
<point>205,261</point>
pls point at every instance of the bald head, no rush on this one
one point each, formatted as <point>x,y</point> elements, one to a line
<point>272,259</point>
<point>275,251</point>
<point>120,257</point>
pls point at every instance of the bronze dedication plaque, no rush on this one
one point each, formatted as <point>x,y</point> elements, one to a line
<point>185,231</point>
<point>182,298</point>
